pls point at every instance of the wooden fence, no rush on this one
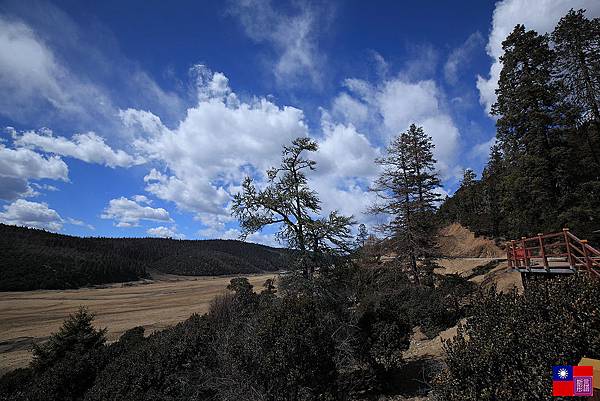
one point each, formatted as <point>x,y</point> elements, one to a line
<point>557,253</point>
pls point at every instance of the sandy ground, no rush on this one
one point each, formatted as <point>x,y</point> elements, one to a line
<point>503,278</point>
<point>27,317</point>
<point>457,241</point>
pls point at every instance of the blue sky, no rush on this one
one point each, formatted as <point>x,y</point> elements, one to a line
<point>141,118</point>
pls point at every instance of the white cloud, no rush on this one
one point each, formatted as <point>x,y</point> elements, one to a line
<point>397,103</point>
<point>164,232</point>
<point>12,188</point>
<point>234,234</point>
<point>88,147</point>
<point>27,66</point>
<point>142,199</point>
<point>18,166</point>
<point>31,214</point>
<point>27,164</point>
<point>220,140</point>
<point>81,223</point>
<point>128,213</point>
<point>350,109</point>
<point>293,37</point>
<point>37,81</point>
<point>345,169</point>
<point>540,15</point>
<point>460,56</point>
<point>482,150</point>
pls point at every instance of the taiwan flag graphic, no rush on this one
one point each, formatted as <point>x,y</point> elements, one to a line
<point>568,381</point>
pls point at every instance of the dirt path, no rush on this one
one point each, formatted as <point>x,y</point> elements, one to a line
<point>31,316</point>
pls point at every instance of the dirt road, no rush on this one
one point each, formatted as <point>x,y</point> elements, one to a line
<point>31,316</point>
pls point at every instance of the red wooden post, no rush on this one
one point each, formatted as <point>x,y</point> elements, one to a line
<point>525,258</point>
<point>568,245</point>
<point>543,252</point>
<point>514,253</point>
<point>588,261</point>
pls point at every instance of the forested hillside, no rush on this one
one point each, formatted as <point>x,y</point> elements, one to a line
<point>543,172</point>
<point>35,259</point>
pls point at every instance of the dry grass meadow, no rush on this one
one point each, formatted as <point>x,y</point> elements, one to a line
<point>31,316</point>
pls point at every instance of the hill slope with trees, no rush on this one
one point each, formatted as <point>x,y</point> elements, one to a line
<point>34,259</point>
<point>543,172</point>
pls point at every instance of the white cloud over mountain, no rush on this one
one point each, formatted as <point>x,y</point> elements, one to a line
<point>164,232</point>
<point>128,213</point>
<point>31,214</point>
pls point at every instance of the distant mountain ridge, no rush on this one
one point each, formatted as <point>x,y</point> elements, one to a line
<point>35,259</point>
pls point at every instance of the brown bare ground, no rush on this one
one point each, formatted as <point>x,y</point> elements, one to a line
<point>457,241</point>
<point>31,316</point>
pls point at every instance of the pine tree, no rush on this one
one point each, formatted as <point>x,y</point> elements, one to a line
<point>577,46</point>
<point>289,202</point>
<point>362,236</point>
<point>406,191</point>
<point>493,193</point>
<point>77,335</point>
<point>577,68</point>
<point>469,178</point>
<point>527,128</point>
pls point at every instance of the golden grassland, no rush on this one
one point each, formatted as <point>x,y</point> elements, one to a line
<point>31,316</point>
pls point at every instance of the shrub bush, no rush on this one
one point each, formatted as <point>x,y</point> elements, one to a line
<point>506,350</point>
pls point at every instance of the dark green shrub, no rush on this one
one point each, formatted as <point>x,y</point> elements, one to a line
<point>168,365</point>
<point>14,384</point>
<point>76,336</point>
<point>506,350</point>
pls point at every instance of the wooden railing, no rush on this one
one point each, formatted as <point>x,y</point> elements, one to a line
<point>560,252</point>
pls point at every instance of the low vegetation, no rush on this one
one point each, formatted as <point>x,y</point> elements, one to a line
<point>508,346</point>
<point>338,335</point>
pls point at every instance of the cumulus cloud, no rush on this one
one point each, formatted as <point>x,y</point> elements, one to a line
<point>345,168</point>
<point>293,37</point>
<point>223,138</point>
<point>142,199</point>
<point>164,232</point>
<point>541,16</point>
<point>18,166</point>
<point>88,147</point>
<point>12,188</point>
<point>220,140</point>
<point>397,103</point>
<point>25,163</point>
<point>31,214</point>
<point>128,213</point>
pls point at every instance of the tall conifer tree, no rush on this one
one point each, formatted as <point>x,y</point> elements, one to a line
<point>406,189</point>
<point>526,129</point>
